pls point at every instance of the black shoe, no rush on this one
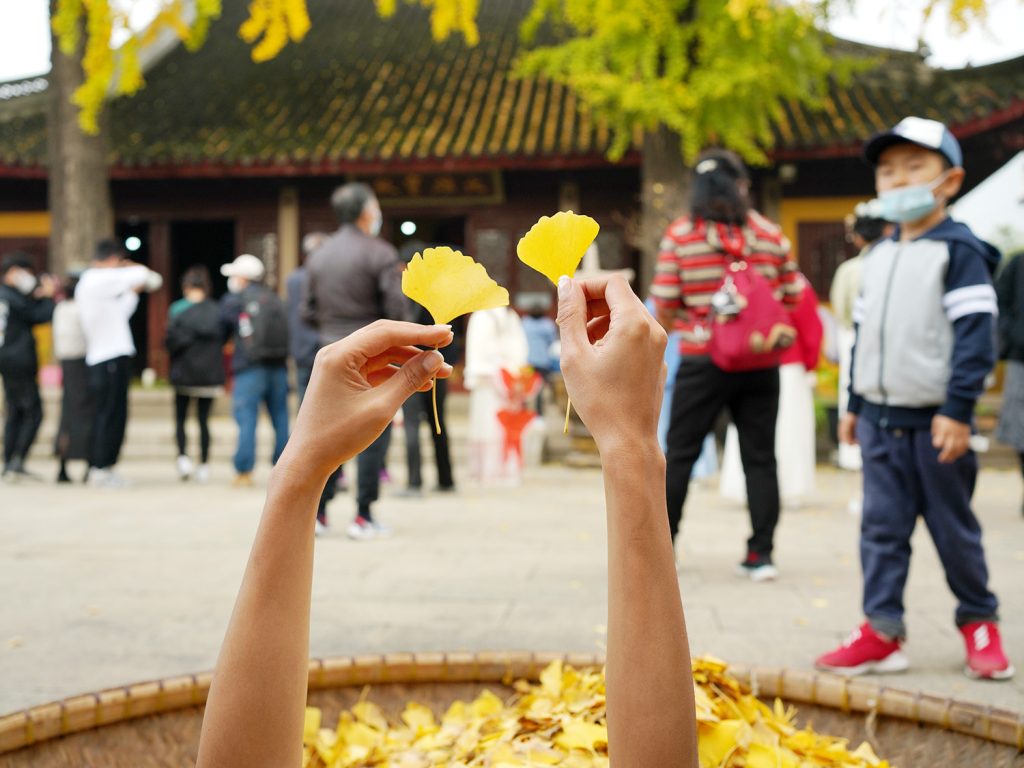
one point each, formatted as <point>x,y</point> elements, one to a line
<point>758,568</point>
<point>63,478</point>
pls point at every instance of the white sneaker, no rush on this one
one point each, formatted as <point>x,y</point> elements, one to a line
<point>202,473</point>
<point>98,477</point>
<point>321,529</point>
<point>185,467</point>
<point>107,478</point>
<point>361,529</point>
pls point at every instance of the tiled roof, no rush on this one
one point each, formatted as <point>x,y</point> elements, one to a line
<point>360,93</point>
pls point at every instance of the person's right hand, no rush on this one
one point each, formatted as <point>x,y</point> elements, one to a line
<point>848,429</point>
<point>357,386</point>
<point>612,360</point>
<point>47,287</point>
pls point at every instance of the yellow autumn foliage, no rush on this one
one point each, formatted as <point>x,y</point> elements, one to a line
<point>561,721</point>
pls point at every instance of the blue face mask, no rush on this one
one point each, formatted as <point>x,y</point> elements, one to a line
<point>908,203</point>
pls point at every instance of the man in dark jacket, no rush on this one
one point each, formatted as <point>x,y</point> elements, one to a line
<point>352,280</point>
<point>25,301</point>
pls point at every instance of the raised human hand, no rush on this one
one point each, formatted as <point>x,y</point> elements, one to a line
<point>357,386</point>
<point>612,360</point>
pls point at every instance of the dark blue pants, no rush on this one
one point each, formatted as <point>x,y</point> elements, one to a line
<point>259,384</point>
<point>903,480</point>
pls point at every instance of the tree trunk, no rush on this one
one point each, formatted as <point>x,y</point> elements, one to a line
<point>665,195</point>
<point>78,189</point>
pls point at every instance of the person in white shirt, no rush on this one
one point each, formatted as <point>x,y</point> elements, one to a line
<point>107,296</point>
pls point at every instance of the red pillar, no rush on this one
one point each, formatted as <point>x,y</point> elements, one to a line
<point>159,302</point>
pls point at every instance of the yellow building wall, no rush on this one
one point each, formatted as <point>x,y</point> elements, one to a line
<point>31,224</point>
<point>795,210</point>
<point>25,224</point>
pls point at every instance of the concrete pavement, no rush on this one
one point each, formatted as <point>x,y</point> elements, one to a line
<point>103,588</point>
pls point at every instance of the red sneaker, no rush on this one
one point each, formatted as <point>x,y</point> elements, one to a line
<point>985,657</point>
<point>862,652</point>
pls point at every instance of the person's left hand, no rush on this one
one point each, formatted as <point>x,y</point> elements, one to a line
<point>357,386</point>
<point>950,437</point>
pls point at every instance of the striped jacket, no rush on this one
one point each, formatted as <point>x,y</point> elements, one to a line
<point>694,255</point>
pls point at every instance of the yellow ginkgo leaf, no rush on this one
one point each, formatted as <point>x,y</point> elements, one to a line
<point>555,245</point>
<point>449,284</point>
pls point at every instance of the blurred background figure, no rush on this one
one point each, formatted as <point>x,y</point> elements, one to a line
<point>863,232</point>
<point>419,409</point>
<point>695,253</point>
<point>25,301</point>
<point>195,342</point>
<point>1010,294</point>
<point>541,339</point>
<point>107,296</point>
<point>74,435</point>
<point>352,280</point>
<point>255,318</point>
<point>707,463</point>
<point>795,429</point>
<point>303,340</point>
<point>494,341</point>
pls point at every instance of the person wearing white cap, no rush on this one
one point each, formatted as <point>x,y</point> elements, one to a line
<point>255,318</point>
<point>107,296</point>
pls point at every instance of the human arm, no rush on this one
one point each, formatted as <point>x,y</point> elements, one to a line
<point>307,299</point>
<point>254,713</point>
<point>40,310</point>
<point>178,337</point>
<point>616,387</point>
<point>1007,299</point>
<point>230,309</point>
<point>970,304</point>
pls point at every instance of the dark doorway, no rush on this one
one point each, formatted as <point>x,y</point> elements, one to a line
<point>823,248</point>
<point>201,243</point>
<point>432,230</point>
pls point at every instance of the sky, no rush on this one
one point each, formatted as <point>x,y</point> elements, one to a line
<point>25,41</point>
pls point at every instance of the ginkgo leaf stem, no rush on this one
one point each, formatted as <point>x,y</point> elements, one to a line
<point>568,407</point>
<point>433,397</point>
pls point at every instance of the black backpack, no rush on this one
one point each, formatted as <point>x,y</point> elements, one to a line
<point>266,337</point>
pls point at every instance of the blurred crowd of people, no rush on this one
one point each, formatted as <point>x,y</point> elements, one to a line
<point>747,336</point>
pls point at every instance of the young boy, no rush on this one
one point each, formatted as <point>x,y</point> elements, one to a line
<point>924,344</point>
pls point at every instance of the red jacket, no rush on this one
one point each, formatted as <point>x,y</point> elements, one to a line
<point>809,331</point>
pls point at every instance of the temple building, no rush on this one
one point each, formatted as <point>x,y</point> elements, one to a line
<point>218,156</point>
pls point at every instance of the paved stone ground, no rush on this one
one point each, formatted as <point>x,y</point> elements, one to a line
<point>103,588</point>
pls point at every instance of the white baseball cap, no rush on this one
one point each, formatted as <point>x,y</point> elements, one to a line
<point>930,134</point>
<point>246,266</point>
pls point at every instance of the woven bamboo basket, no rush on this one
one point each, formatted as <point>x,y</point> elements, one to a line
<point>156,724</point>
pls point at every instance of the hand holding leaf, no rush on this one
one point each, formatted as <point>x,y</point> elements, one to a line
<point>554,246</point>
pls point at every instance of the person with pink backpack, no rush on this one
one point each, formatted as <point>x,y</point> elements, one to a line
<point>724,280</point>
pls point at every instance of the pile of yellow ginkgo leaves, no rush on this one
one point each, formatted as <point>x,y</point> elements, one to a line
<point>561,722</point>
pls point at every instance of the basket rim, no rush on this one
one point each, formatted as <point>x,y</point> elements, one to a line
<point>109,706</point>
